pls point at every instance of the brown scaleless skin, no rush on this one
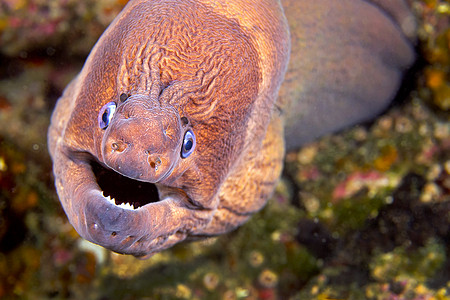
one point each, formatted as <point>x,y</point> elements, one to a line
<point>175,115</point>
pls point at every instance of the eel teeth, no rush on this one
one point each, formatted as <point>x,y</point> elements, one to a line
<point>121,205</point>
<point>126,206</point>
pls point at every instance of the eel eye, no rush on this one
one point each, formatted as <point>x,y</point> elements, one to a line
<point>106,114</point>
<point>188,144</point>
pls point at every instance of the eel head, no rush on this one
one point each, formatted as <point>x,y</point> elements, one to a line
<point>134,196</point>
<point>160,136</point>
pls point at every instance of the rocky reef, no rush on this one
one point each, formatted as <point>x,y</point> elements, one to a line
<point>362,214</point>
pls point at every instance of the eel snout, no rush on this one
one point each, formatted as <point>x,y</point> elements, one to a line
<point>143,140</point>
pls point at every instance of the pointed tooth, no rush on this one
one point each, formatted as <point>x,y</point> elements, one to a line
<point>112,201</point>
<point>122,205</point>
<point>126,206</point>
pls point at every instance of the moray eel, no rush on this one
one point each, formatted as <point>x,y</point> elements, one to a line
<point>174,130</point>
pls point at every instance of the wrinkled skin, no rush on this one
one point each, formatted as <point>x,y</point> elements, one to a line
<point>212,69</point>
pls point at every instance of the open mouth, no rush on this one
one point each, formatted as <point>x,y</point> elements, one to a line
<point>138,218</point>
<point>123,191</point>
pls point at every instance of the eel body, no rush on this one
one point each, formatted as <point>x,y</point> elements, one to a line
<point>174,129</point>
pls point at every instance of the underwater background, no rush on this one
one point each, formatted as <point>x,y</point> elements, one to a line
<point>362,214</point>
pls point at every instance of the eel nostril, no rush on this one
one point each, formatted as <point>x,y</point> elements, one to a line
<point>154,162</point>
<point>118,146</point>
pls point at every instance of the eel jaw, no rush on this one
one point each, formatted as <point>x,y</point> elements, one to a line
<point>101,214</point>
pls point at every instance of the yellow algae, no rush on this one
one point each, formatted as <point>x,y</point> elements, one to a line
<point>268,279</point>
<point>387,158</point>
<point>434,78</point>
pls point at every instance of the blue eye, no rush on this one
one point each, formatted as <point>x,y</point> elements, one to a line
<point>188,144</point>
<point>106,114</point>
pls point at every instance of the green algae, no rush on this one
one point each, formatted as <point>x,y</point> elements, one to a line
<point>419,264</point>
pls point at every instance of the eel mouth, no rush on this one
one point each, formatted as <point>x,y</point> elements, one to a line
<point>129,216</point>
<point>122,191</point>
